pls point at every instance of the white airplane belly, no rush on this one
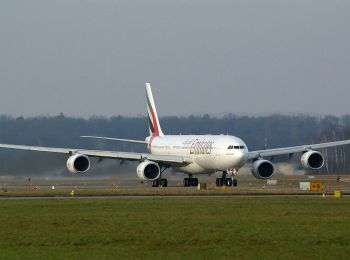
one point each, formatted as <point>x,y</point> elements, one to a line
<point>194,168</point>
<point>218,162</point>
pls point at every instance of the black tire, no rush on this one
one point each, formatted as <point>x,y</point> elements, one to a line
<point>219,182</point>
<point>155,183</point>
<point>228,182</point>
<point>186,182</point>
<point>164,183</point>
<point>234,183</point>
<point>194,182</point>
<point>222,182</point>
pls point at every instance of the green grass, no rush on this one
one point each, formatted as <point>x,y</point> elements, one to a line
<point>176,228</point>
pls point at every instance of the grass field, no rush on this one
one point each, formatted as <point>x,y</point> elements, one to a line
<point>176,228</point>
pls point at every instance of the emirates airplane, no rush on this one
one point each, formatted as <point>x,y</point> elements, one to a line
<point>189,154</point>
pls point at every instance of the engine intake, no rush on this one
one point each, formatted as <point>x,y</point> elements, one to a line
<point>78,163</point>
<point>262,169</point>
<point>312,160</point>
<point>148,171</point>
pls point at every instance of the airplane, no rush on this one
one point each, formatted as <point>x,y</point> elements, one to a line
<point>189,154</point>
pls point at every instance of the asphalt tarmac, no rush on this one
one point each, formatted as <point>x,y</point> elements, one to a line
<point>99,189</point>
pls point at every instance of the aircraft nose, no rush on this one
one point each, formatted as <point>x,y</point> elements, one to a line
<point>241,156</point>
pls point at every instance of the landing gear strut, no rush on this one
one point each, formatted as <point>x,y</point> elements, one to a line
<point>224,181</point>
<point>190,181</point>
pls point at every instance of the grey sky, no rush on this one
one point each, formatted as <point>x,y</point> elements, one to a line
<point>93,57</point>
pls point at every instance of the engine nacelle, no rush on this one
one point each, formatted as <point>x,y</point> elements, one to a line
<point>78,163</point>
<point>148,171</point>
<point>312,160</point>
<point>262,169</point>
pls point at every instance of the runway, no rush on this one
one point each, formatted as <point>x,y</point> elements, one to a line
<point>108,189</point>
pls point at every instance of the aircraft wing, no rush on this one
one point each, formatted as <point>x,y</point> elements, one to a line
<point>165,159</point>
<point>295,149</point>
<point>114,139</point>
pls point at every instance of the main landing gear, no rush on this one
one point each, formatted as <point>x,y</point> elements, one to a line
<point>190,182</point>
<point>160,182</point>
<point>224,181</point>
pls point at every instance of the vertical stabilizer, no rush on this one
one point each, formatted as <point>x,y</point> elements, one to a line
<point>154,126</point>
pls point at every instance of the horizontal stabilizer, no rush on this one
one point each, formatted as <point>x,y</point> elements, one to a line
<point>114,139</point>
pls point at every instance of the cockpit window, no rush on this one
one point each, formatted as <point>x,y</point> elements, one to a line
<point>237,147</point>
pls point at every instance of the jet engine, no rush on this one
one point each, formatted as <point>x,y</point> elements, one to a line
<point>262,169</point>
<point>78,163</point>
<point>312,160</point>
<point>148,171</point>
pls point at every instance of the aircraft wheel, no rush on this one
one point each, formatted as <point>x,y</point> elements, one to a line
<point>234,183</point>
<point>164,183</point>
<point>219,182</point>
<point>194,182</point>
<point>186,182</point>
<point>228,182</point>
<point>155,183</point>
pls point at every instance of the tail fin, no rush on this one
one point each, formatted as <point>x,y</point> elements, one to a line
<point>154,126</point>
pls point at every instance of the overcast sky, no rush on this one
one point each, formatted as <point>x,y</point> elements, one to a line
<point>92,57</point>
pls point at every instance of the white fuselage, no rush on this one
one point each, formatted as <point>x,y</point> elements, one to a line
<point>210,153</point>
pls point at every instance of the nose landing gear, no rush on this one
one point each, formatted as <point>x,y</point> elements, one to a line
<point>224,181</point>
